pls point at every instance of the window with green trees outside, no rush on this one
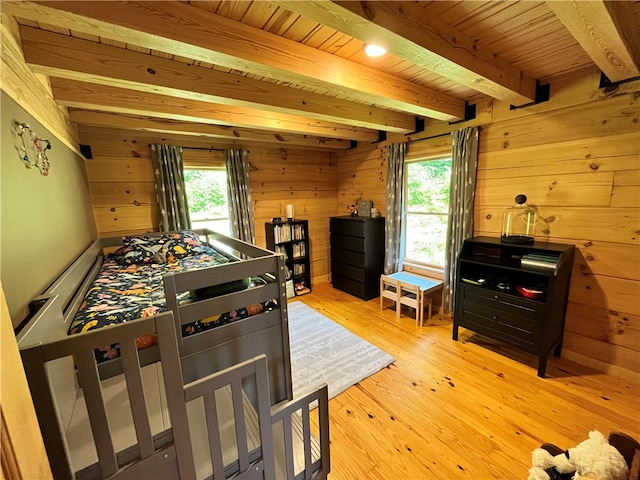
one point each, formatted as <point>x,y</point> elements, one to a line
<point>426,211</point>
<point>207,197</point>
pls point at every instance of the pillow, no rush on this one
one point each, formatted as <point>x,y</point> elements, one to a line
<point>149,248</point>
<point>128,256</point>
<point>186,245</point>
<point>159,248</point>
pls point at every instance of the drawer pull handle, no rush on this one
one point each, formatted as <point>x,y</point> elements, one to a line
<point>496,297</point>
<point>494,317</point>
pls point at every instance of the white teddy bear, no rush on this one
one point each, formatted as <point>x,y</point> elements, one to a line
<point>593,458</point>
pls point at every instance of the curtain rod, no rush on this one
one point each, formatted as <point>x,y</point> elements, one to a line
<point>214,149</point>
<point>205,148</point>
<point>437,136</point>
<point>429,138</point>
<point>198,148</point>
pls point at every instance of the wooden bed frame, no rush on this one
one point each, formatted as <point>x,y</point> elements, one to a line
<point>200,354</point>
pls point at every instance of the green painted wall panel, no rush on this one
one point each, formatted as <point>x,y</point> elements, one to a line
<point>45,221</point>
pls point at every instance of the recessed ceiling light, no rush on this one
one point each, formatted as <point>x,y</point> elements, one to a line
<point>374,50</point>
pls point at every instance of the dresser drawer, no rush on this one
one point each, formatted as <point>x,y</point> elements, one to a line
<point>355,244</point>
<point>346,270</point>
<point>349,285</point>
<point>354,228</point>
<point>500,316</point>
<point>493,328</point>
<point>347,256</point>
<point>510,303</point>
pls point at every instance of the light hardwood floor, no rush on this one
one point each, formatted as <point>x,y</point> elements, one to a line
<point>470,409</point>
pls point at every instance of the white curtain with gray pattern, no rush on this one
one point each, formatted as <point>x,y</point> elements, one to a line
<point>239,193</point>
<point>170,190</point>
<point>393,225</point>
<point>464,154</point>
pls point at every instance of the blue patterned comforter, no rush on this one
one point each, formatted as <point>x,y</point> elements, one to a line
<point>123,292</point>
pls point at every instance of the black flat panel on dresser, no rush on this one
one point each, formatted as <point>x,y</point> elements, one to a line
<point>357,255</point>
<point>514,293</point>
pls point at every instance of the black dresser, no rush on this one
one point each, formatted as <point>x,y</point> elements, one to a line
<point>357,255</point>
<point>514,293</point>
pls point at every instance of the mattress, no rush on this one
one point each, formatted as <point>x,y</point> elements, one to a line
<point>123,292</point>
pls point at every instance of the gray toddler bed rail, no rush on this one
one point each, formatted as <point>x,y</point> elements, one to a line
<point>202,353</point>
<point>221,425</point>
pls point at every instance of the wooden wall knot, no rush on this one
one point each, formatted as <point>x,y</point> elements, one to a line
<point>369,10</point>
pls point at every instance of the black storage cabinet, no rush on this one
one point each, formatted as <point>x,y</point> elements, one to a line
<point>490,298</point>
<point>357,255</point>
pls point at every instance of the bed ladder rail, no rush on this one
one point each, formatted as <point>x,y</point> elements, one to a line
<point>169,454</point>
<point>150,454</point>
<point>282,444</point>
<point>293,420</point>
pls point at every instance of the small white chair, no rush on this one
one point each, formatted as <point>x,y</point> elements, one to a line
<point>411,296</point>
<point>408,289</point>
<point>389,289</point>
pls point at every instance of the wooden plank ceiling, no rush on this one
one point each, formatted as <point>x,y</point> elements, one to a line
<point>293,73</point>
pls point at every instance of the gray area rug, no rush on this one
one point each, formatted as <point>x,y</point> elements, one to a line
<point>324,352</point>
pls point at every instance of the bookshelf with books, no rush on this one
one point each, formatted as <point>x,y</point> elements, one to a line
<point>291,239</point>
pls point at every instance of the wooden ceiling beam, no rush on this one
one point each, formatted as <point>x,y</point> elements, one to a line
<point>104,140</point>
<point>69,57</point>
<point>72,93</point>
<point>408,31</point>
<point>180,29</point>
<point>239,136</point>
<point>97,137</point>
<point>607,31</point>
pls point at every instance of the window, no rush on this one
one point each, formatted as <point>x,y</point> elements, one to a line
<point>426,211</point>
<point>207,198</point>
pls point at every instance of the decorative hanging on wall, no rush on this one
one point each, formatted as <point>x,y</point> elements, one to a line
<point>31,148</point>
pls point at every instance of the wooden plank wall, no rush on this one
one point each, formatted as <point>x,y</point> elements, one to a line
<point>577,158</point>
<point>30,91</point>
<point>306,179</point>
<point>362,175</point>
<point>123,193</point>
<point>121,181</point>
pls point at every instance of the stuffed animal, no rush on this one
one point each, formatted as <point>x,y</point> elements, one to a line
<point>547,467</point>
<point>593,458</point>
